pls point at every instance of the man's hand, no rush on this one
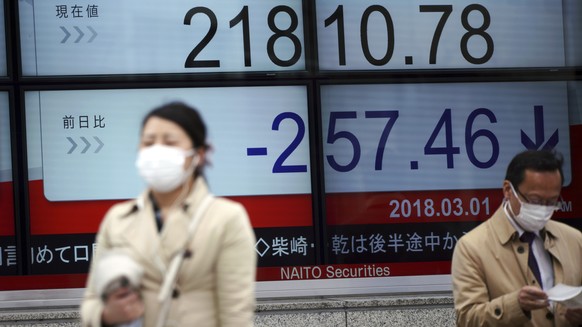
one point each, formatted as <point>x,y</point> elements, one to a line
<point>121,306</point>
<point>532,298</point>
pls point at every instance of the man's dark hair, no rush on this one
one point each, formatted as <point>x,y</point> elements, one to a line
<point>535,160</point>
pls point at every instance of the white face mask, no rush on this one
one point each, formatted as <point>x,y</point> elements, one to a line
<point>162,167</point>
<point>532,217</point>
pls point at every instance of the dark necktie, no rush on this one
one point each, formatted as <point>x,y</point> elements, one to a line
<point>531,259</point>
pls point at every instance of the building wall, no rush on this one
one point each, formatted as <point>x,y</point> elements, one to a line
<point>395,310</point>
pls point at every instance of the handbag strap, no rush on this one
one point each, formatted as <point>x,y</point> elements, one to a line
<point>171,275</point>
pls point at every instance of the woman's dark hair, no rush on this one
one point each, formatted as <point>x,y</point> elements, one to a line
<point>186,117</point>
<point>535,160</point>
<point>189,119</point>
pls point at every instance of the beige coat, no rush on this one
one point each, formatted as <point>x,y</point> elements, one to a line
<point>489,268</point>
<point>215,284</point>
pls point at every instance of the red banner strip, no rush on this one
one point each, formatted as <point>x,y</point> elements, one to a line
<point>81,217</point>
<point>369,270</point>
<point>6,209</point>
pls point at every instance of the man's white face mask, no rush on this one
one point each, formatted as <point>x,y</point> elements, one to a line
<point>162,166</point>
<point>531,217</point>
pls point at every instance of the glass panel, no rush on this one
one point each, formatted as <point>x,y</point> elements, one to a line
<point>66,37</point>
<point>410,168</point>
<point>3,64</point>
<point>8,264</point>
<point>405,35</point>
<point>82,148</point>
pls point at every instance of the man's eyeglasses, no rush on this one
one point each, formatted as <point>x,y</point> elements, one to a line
<point>549,203</point>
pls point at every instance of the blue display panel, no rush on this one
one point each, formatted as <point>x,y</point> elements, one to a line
<point>406,35</point>
<point>82,147</point>
<point>410,168</point>
<point>402,137</point>
<point>67,37</point>
<point>142,37</point>
<point>259,139</point>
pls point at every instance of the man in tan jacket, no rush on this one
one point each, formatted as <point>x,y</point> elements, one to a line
<point>493,284</point>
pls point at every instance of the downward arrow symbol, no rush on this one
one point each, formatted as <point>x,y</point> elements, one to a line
<point>539,133</point>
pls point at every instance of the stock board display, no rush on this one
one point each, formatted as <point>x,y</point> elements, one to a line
<point>343,176</point>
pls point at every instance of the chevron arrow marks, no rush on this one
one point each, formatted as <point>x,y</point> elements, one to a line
<point>79,32</point>
<point>97,145</point>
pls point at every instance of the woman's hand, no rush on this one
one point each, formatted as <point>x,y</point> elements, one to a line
<point>122,305</point>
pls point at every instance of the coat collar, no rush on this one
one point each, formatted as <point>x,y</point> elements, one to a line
<point>142,234</point>
<point>505,231</point>
<point>198,192</point>
<point>500,224</point>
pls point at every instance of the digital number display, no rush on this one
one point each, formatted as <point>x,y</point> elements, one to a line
<point>424,136</point>
<point>82,146</point>
<point>405,208</point>
<point>367,35</point>
<point>142,37</point>
<point>408,167</point>
<point>260,136</point>
<point>411,168</point>
<point>65,37</point>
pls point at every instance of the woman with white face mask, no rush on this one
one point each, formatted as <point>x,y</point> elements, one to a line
<point>196,250</point>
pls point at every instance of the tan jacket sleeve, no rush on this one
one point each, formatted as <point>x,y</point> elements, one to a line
<point>473,306</point>
<point>236,271</point>
<point>92,306</point>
